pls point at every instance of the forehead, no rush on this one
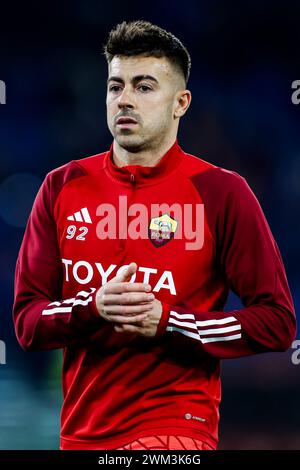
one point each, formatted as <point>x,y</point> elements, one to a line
<point>128,67</point>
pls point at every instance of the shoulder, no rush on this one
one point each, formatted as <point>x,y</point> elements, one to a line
<point>226,195</point>
<point>211,179</point>
<point>59,177</point>
<point>77,168</point>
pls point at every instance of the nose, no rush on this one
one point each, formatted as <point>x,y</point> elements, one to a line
<point>125,99</point>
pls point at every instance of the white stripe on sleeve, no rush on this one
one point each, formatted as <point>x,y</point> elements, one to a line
<point>177,322</point>
<point>66,305</point>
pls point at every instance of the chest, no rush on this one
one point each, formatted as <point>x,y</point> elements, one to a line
<point>162,228</point>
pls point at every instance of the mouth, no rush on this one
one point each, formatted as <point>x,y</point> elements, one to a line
<point>126,122</point>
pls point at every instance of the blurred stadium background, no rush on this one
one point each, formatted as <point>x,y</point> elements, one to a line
<point>244,59</point>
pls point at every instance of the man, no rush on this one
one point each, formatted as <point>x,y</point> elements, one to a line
<point>127,260</point>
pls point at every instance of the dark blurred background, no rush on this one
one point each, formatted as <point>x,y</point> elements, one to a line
<point>245,56</point>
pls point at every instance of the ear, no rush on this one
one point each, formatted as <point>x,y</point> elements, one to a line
<point>183,101</point>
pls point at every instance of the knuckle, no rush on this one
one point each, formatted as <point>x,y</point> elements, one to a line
<point>126,287</point>
<point>136,319</point>
<point>118,319</point>
<point>127,299</point>
<point>103,314</point>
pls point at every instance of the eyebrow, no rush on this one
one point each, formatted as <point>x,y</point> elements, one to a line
<point>134,80</point>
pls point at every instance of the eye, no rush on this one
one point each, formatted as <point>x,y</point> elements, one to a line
<point>144,88</point>
<point>114,88</point>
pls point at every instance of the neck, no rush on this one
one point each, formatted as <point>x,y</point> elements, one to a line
<point>149,157</point>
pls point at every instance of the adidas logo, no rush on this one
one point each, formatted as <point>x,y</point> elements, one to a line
<point>81,216</point>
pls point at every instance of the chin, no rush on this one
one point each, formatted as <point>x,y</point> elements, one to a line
<point>132,143</point>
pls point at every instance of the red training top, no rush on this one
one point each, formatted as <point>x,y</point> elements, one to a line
<point>120,387</point>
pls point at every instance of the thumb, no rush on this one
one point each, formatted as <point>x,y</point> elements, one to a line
<point>126,274</point>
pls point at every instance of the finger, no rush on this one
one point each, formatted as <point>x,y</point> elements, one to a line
<point>126,274</point>
<point>127,309</point>
<point>120,287</point>
<point>136,319</point>
<point>126,298</point>
<point>127,329</point>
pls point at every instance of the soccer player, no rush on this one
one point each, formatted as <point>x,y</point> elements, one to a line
<point>127,261</point>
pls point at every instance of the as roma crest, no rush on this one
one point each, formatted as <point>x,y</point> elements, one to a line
<point>161,229</point>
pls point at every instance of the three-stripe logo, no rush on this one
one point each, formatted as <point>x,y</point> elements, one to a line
<point>66,306</point>
<point>81,216</point>
<point>205,331</point>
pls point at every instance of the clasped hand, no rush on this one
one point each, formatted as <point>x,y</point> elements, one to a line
<point>130,306</point>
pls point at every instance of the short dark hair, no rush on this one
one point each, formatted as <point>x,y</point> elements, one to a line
<point>144,38</point>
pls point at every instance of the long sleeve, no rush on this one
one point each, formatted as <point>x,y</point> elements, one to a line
<point>250,263</point>
<point>43,320</point>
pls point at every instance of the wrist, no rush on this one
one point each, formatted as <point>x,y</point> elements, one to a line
<point>163,322</point>
<point>94,308</point>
